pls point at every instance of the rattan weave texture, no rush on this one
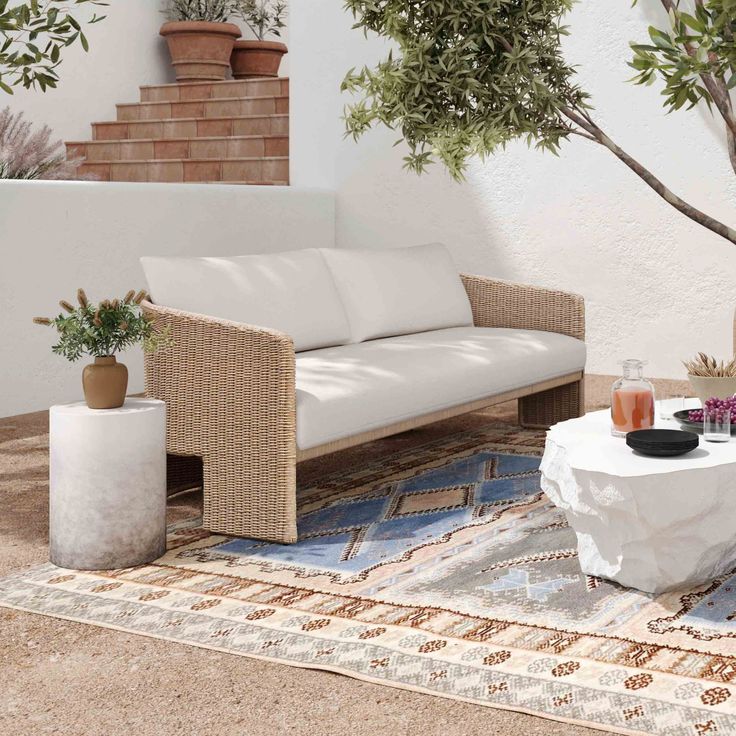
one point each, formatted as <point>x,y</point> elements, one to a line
<point>230,395</point>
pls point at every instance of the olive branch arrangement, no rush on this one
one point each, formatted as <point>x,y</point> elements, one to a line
<point>263,17</point>
<point>104,329</point>
<point>706,366</point>
<point>211,11</point>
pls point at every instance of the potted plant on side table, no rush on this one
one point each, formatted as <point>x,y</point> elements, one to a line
<point>200,39</point>
<point>259,58</point>
<point>102,330</point>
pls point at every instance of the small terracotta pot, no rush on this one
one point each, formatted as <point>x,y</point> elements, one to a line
<point>200,51</point>
<point>257,58</point>
<point>105,382</point>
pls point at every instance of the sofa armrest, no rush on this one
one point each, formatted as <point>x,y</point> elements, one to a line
<point>498,303</point>
<point>230,399</point>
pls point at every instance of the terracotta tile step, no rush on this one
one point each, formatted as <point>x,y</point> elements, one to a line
<point>206,90</point>
<point>191,127</point>
<point>252,183</point>
<point>230,183</point>
<point>214,108</point>
<point>180,148</point>
<point>247,170</point>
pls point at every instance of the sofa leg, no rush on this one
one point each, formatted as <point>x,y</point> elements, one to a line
<point>247,498</point>
<point>542,410</point>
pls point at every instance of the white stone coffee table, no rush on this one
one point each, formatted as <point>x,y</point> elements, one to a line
<point>654,524</point>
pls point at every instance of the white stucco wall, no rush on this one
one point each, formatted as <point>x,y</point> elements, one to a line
<point>58,236</point>
<point>125,52</point>
<point>656,285</point>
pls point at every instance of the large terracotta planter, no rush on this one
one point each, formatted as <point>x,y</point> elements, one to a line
<point>105,382</point>
<point>257,58</point>
<point>200,51</point>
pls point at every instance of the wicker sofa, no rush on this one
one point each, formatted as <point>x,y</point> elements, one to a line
<point>247,402</point>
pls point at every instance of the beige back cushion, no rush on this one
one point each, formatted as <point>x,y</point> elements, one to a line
<point>399,291</point>
<point>293,292</point>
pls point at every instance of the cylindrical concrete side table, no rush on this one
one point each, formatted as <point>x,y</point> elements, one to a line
<point>107,504</point>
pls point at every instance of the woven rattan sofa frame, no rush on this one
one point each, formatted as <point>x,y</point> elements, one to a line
<point>230,400</point>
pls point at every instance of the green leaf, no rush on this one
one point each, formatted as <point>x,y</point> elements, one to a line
<point>691,22</point>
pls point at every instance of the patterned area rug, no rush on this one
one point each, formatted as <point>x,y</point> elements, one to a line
<point>442,569</point>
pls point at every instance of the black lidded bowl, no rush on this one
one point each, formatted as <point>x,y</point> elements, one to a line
<point>662,442</point>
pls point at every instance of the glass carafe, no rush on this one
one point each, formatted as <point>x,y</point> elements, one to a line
<point>632,400</point>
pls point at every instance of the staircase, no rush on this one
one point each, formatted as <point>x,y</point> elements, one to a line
<point>233,132</point>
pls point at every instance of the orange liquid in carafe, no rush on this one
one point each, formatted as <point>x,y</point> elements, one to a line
<point>632,409</point>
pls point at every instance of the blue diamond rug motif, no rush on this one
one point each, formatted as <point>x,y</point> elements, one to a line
<point>356,534</point>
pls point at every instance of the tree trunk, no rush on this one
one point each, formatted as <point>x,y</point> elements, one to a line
<point>581,120</point>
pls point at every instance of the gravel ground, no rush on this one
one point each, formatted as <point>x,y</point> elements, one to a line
<point>58,677</point>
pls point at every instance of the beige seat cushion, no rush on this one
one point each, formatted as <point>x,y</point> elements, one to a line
<point>350,389</point>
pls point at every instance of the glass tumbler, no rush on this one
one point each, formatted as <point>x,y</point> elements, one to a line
<point>669,404</point>
<point>716,425</point>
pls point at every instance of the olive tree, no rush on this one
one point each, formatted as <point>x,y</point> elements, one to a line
<point>469,76</point>
<point>33,36</point>
<point>695,57</point>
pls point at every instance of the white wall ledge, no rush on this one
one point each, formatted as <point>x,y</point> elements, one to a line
<point>58,236</point>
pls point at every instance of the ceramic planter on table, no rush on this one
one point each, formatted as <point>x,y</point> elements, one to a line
<point>706,387</point>
<point>105,382</point>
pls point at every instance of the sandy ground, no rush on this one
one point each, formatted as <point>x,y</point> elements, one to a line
<point>58,677</point>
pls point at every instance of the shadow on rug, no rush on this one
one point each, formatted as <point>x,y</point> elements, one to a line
<point>442,569</point>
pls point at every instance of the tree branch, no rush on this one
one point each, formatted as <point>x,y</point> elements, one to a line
<point>670,197</point>
<point>587,136</point>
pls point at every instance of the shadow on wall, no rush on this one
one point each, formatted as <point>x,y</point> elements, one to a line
<point>379,205</point>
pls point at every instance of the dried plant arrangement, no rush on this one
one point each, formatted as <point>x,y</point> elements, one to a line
<point>29,154</point>
<point>101,330</point>
<point>706,366</point>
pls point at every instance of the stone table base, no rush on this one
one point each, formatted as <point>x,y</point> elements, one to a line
<point>654,531</point>
<point>107,505</point>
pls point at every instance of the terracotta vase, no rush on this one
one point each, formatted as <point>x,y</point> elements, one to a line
<point>105,382</point>
<point>257,58</point>
<point>200,51</point>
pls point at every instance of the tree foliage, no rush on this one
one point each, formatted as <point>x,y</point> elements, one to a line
<point>695,57</point>
<point>706,38</point>
<point>33,36</point>
<point>469,76</point>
